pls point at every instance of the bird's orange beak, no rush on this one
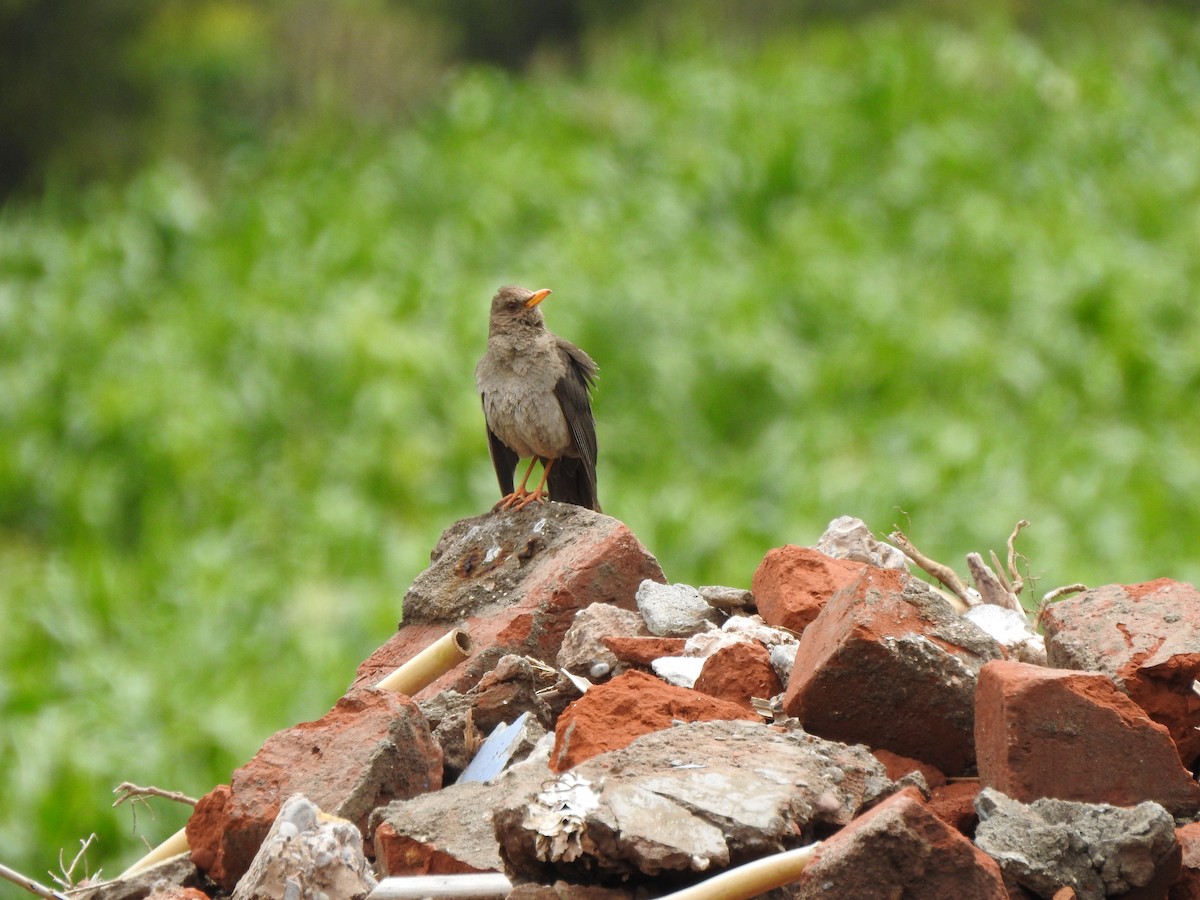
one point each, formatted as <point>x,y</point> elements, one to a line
<point>538,297</point>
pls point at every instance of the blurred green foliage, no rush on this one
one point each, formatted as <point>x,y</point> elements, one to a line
<point>933,270</point>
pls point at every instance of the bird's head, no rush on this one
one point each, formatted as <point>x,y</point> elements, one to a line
<point>514,305</point>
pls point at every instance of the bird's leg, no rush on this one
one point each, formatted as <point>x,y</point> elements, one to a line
<point>539,492</point>
<point>520,493</point>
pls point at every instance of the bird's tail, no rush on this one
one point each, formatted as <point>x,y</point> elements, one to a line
<point>569,483</point>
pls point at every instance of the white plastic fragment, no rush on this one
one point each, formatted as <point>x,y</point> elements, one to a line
<point>496,751</point>
<point>681,671</point>
<point>473,884</point>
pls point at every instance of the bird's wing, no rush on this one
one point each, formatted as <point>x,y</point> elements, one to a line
<point>572,393</point>
<point>504,459</point>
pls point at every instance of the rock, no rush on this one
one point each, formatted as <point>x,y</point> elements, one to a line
<point>1187,887</point>
<point>888,663</point>
<point>739,672</point>
<point>583,650</point>
<point>507,691</point>
<point>517,578</point>
<point>448,715</point>
<point>687,800</point>
<point>739,629</point>
<point>371,748</point>
<point>783,658</point>
<point>792,585</point>
<point>673,610</point>
<point>177,877</point>
<point>1098,850</point>
<point>684,671</point>
<point>306,854</point>
<point>849,538</point>
<point>727,599</point>
<point>458,721</point>
<point>452,831</point>
<point>1072,735</point>
<point>899,849</point>
<point>611,715</point>
<point>1146,638</point>
<point>642,651</point>
<point>448,832</point>
<point>1011,630</point>
<point>954,804</point>
<point>898,766</point>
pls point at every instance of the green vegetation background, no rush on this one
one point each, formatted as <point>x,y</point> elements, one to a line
<point>936,271</point>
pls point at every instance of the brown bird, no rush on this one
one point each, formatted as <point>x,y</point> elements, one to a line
<point>535,391</point>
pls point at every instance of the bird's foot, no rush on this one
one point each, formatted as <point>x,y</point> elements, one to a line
<point>538,496</point>
<point>516,499</point>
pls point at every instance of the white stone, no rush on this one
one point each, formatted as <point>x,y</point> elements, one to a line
<point>673,610</point>
<point>849,538</point>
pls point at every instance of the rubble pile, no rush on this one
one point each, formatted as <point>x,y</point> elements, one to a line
<point>641,738</point>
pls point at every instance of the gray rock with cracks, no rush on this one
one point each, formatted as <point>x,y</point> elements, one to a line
<point>674,610</point>
<point>695,798</point>
<point>307,855</point>
<point>1097,849</point>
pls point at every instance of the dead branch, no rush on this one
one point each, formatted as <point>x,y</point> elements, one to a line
<point>67,881</point>
<point>129,791</point>
<point>1051,596</point>
<point>29,884</point>
<point>943,573</point>
<point>1017,581</point>
<point>999,570</point>
<point>990,588</point>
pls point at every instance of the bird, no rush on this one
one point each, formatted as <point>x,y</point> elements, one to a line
<point>536,393</point>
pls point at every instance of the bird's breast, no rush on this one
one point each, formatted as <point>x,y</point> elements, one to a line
<point>520,404</point>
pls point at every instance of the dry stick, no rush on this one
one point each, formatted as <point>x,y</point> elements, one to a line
<point>29,884</point>
<point>1050,596</point>
<point>946,575</point>
<point>989,586</point>
<point>1017,581</point>
<point>1053,595</point>
<point>130,791</point>
<point>68,872</point>
<point>999,570</point>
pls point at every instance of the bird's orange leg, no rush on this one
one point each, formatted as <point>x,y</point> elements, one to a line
<point>539,492</point>
<point>520,493</point>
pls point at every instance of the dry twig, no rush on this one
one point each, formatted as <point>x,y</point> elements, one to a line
<point>991,588</point>
<point>29,884</point>
<point>67,881</point>
<point>943,573</point>
<point>1017,581</point>
<point>1050,596</point>
<point>130,791</point>
<point>999,570</point>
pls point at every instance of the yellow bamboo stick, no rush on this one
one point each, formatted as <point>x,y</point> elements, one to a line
<point>430,664</point>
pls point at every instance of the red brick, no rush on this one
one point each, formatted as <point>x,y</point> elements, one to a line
<point>1072,735</point>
